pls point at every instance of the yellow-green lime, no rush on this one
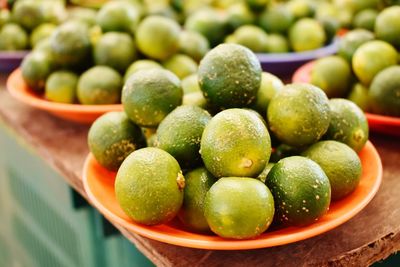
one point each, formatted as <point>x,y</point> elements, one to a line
<point>270,85</point>
<point>180,134</point>
<point>112,137</point>
<point>230,76</point>
<point>353,40</point>
<point>301,8</point>
<point>359,95</point>
<point>41,32</point>
<point>99,85</point>
<point>84,14</point>
<point>387,25</point>
<point>239,14</point>
<point>365,19</point>
<point>195,99</point>
<point>190,84</point>
<point>141,64</point>
<point>193,44</point>
<point>239,207</point>
<point>306,34</point>
<point>181,65</point>
<point>35,68</point>
<point>340,163</point>
<point>276,19</point>
<point>277,43</point>
<point>197,184</point>
<point>299,114</point>
<point>118,16</point>
<point>235,142</point>
<point>149,186</point>
<point>158,37</point>
<point>13,37</point>
<point>27,14</point>
<point>348,124</point>
<point>149,95</point>
<point>301,191</point>
<point>61,87</point>
<point>252,37</point>
<point>5,17</point>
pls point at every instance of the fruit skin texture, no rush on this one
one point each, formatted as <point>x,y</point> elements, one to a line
<point>112,137</point>
<point>301,191</point>
<point>239,207</point>
<point>372,57</point>
<point>332,74</point>
<point>197,184</point>
<point>235,143</point>
<point>149,95</point>
<point>158,37</point>
<point>340,163</point>
<point>387,25</point>
<point>149,186</point>
<point>306,34</point>
<point>99,85</point>
<point>384,93</point>
<point>299,114</point>
<point>180,134</point>
<point>116,50</point>
<point>230,76</point>
<point>348,124</point>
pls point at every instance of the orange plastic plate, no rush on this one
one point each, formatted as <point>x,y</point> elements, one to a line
<point>73,112</point>
<point>377,123</point>
<point>99,186</point>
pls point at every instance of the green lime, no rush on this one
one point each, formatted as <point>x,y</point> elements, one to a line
<point>239,14</point>
<point>384,93</point>
<point>348,124</point>
<point>252,37</point>
<point>365,19</point>
<point>61,87</point>
<point>112,137</point>
<point>239,208</point>
<point>276,19</point>
<point>149,95</point>
<point>36,67</point>
<point>13,37</point>
<point>306,34</point>
<point>299,114</point>
<point>116,50</point>
<point>180,134</point>
<point>158,37</point>
<point>235,142</point>
<point>181,65</point>
<point>358,5</point>
<point>230,76</point>
<point>353,40</point>
<point>332,74</point>
<point>5,17</point>
<point>372,57</point>
<point>340,163</point>
<point>27,14</point>
<point>41,32</point>
<point>359,95</point>
<point>197,184</point>
<point>84,14</point>
<point>149,186</point>
<point>301,191</point>
<point>142,64</point>
<point>277,43</point>
<point>193,44</point>
<point>118,16</point>
<point>301,8</point>
<point>387,25</point>
<point>99,85</point>
<point>270,85</point>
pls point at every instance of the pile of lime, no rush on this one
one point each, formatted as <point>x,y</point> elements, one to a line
<point>210,162</point>
<point>366,69</point>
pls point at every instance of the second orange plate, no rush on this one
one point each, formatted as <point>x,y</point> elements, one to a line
<point>72,112</point>
<point>99,186</point>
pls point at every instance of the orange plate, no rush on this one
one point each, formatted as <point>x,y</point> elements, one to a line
<point>377,123</point>
<point>73,112</point>
<point>99,186</point>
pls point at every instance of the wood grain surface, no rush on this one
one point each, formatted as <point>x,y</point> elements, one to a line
<point>370,236</point>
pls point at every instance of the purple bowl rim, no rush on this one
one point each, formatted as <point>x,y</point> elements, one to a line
<point>299,56</point>
<point>13,55</point>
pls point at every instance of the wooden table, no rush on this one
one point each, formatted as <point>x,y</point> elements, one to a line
<point>370,236</point>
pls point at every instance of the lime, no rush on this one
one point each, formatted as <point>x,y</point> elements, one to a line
<point>112,137</point>
<point>158,37</point>
<point>149,186</point>
<point>235,142</point>
<point>61,86</point>
<point>301,8</point>
<point>358,5</point>
<point>239,208</point>
<point>197,184</point>
<point>118,16</point>
<point>353,40</point>
<point>239,14</point>
<point>384,93</point>
<point>13,37</point>
<point>36,67</point>
<point>299,114</point>
<point>277,43</point>
<point>365,19</point>
<point>193,44</point>
<point>230,76</point>
<point>359,95</point>
<point>5,17</point>
<point>251,37</point>
<point>387,26</point>
<point>372,57</point>
<point>41,32</point>
<point>301,191</point>
<point>190,84</point>
<point>270,85</point>
<point>276,19</point>
<point>340,163</point>
<point>99,85</point>
<point>116,50</point>
<point>332,74</point>
<point>86,15</point>
<point>306,34</point>
<point>27,14</point>
<point>195,99</point>
<point>348,124</point>
<point>149,95</point>
<point>181,65</point>
<point>142,64</point>
<point>180,134</point>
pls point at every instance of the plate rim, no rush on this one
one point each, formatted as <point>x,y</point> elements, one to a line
<point>229,244</point>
